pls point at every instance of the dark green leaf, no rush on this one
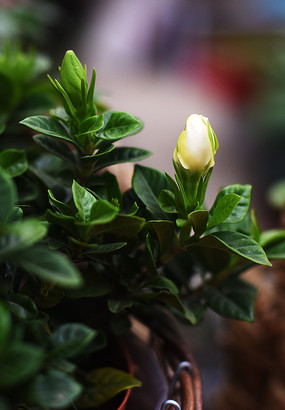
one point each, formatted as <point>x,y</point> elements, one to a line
<point>234,299</point>
<point>237,243</point>
<point>60,206</point>
<point>50,265</point>
<point>54,390</point>
<point>71,339</point>
<point>222,209</point>
<point>122,155</point>
<point>122,226</point>
<point>22,306</point>
<point>56,147</point>
<point>5,326</point>
<point>13,162</point>
<point>8,197</point>
<point>276,251</point>
<point>118,305</point>
<point>166,201</point>
<point>104,248</point>
<point>160,282</point>
<point>47,125</point>
<point>165,232</point>
<point>21,361</point>
<point>107,383</point>
<point>147,184</point>
<point>118,125</point>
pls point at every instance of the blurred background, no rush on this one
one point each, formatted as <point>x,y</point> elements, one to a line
<point>162,60</point>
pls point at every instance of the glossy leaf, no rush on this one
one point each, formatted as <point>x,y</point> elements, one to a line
<point>123,226</point>
<point>91,125</point>
<point>56,147</point>
<point>104,248</point>
<point>71,75</point>
<point>166,201</point>
<point>47,125</point>
<point>236,243</point>
<point>147,184</point>
<point>50,265</point>
<point>60,206</point>
<point>8,197</point>
<point>222,209</point>
<point>71,339</point>
<point>242,208</point>
<point>122,155</point>
<point>198,220</point>
<point>13,162</point>
<point>118,125</point>
<point>54,390</point>
<point>83,200</point>
<point>233,299</point>
<point>105,384</point>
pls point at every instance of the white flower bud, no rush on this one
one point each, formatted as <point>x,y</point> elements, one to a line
<point>196,146</point>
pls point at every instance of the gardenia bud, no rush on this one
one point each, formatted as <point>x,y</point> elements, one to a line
<point>196,146</point>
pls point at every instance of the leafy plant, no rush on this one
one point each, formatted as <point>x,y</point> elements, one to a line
<point>79,257</point>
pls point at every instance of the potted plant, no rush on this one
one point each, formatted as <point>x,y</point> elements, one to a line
<point>80,259</point>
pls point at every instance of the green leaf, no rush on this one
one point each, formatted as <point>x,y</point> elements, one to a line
<point>71,339</point>
<point>54,390</point>
<point>242,208</point>
<point>106,383</point>
<point>71,75</point>
<point>83,200</point>
<point>276,251</point>
<point>147,184</point>
<point>13,162</point>
<point>165,232</point>
<point>271,237</point>
<point>118,305</point>
<point>91,125</point>
<point>118,125</point>
<point>103,212</point>
<point>198,220</point>
<point>56,147</point>
<point>233,299</point>
<point>160,282</point>
<point>94,248</point>
<point>20,362</point>
<point>20,236</point>
<point>60,206</point>
<point>47,125</point>
<point>8,197</point>
<point>222,209</point>
<point>166,201</point>
<point>50,265</point>
<point>5,326</point>
<point>122,155</point>
<point>236,243</point>
<point>22,307</point>
<point>122,226</point>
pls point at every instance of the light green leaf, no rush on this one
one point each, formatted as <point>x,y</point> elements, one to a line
<point>71,339</point>
<point>198,220</point>
<point>50,265</point>
<point>236,243</point>
<point>106,383</point>
<point>54,390</point>
<point>91,125</point>
<point>118,125</point>
<point>147,184</point>
<point>13,162</point>
<point>83,200</point>
<point>233,299</point>
<point>71,75</point>
<point>222,209</point>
